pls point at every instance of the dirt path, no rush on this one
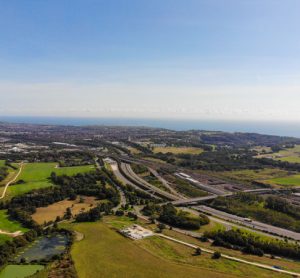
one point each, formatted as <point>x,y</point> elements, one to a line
<point>264,266</point>
<point>78,236</point>
<point>12,181</point>
<point>14,234</point>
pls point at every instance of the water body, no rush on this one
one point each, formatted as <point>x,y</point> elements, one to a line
<point>44,248</point>
<point>263,127</point>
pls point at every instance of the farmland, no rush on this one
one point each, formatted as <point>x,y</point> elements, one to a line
<point>36,175</point>
<point>178,150</point>
<point>152,257</point>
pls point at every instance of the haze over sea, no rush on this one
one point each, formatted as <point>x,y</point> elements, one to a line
<point>272,128</point>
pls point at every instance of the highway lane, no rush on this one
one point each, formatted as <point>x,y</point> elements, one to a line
<point>124,180</point>
<point>166,183</point>
<point>205,187</point>
<point>123,200</point>
<point>198,199</point>
<point>255,225</point>
<point>128,171</point>
<point>227,224</point>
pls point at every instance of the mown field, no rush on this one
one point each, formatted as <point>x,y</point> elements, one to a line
<point>152,257</point>
<point>36,175</point>
<point>178,150</point>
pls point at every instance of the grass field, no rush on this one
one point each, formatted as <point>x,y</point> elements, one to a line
<point>11,173</point>
<point>275,177</point>
<point>50,213</point>
<point>178,150</point>
<point>248,176</point>
<point>290,155</point>
<point>152,257</point>
<point>8,225</point>
<point>133,150</point>
<point>19,271</point>
<point>283,263</point>
<point>4,238</point>
<point>36,176</point>
<point>293,180</point>
<point>121,222</point>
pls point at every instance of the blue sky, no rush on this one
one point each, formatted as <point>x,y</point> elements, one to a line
<point>163,59</point>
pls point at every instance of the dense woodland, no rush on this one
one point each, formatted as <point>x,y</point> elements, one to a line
<point>64,158</point>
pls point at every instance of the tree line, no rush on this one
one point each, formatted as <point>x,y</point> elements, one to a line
<point>253,244</point>
<point>170,215</point>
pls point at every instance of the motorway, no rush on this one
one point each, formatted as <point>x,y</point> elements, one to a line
<point>251,224</point>
<point>195,200</point>
<point>124,180</point>
<point>202,186</point>
<point>176,200</point>
<point>165,183</point>
<point>130,173</point>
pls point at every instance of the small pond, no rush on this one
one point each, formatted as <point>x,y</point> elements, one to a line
<point>44,248</point>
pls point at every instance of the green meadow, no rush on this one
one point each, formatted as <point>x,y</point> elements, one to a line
<point>8,226</point>
<point>150,257</point>
<point>293,180</point>
<point>36,175</point>
<point>19,271</point>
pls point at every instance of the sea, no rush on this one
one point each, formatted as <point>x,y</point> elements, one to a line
<point>283,128</point>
